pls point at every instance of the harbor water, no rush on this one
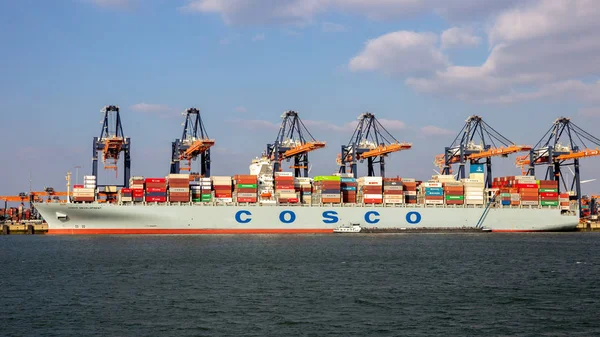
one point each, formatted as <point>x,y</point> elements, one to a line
<point>475,284</point>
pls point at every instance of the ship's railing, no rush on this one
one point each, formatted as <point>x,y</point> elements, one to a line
<point>324,205</point>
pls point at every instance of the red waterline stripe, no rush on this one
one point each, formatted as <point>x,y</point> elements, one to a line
<point>89,231</point>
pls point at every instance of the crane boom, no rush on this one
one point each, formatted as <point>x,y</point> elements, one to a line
<point>499,151</point>
<point>579,154</point>
<point>303,148</point>
<point>384,150</point>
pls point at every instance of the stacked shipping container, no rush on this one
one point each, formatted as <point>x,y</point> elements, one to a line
<point>136,184</point>
<point>328,188</point>
<point>246,187</point>
<point>409,187</point>
<point>348,186</point>
<point>454,192</point>
<point>303,188</point>
<point>371,189</point>
<point>223,188</point>
<point>179,187</point>
<point>433,193</point>
<point>284,187</point>
<point>393,191</point>
<point>156,189</point>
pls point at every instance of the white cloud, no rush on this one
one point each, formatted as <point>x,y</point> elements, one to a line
<point>151,108</point>
<point>432,130</point>
<point>258,37</point>
<point>330,27</point>
<point>301,12</point>
<point>241,109</point>
<point>392,125</point>
<point>401,52</point>
<point>458,37</point>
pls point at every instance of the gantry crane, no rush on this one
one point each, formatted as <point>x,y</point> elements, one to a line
<point>194,143</point>
<point>291,142</point>
<point>111,143</point>
<point>464,148</point>
<point>563,145</point>
<point>370,141</point>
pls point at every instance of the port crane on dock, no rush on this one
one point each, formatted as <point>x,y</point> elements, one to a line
<point>465,148</point>
<point>562,146</point>
<point>111,143</point>
<point>293,141</point>
<point>193,144</point>
<point>371,142</point>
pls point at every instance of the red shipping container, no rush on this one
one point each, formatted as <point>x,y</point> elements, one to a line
<point>527,186</point>
<point>156,190</point>
<point>246,199</point>
<point>156,180</point>
<point>137,193</point>
<point>156,199</point>
<point>549,194</point>
<point>78,186</point>
<point>246,190</point>
<point>373,201</point>
<point>284,186</point>
<point>126,190</point>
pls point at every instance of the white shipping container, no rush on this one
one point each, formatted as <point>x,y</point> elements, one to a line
<point>84,190</point>
<point>285,191</point>
<point>474,197</point>
<point>223,199</point>
<point>409,180</point>
<point>178,176</point>
<point>178,189</point>
<point>136,187</point>
<point>89,177</point>
<point>453,184</point>
<point>410,192</point>
<point>431,184</point>
<point>195,187</point>
<point>373,196</point>
<point>434,202</point>
<point>246,195</point>
<point>302,179</point>
<point>372,179</point>
<point>284,174</point>
<point>392,188</point>
<point>473,202</point>
<point>529,203</point>
<point>393,201</point>
<point>515,197</point>
<point>330,195</point>
<point>393,196</point>
<point>525,178</point>
<point>126,199</point>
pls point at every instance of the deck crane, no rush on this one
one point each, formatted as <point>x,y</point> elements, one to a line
<point>111,143</point>
<point>194,143</point>
<point>563,145</point>
<point>464,148</point>
<point>370,141</point>
<point>292,142</point>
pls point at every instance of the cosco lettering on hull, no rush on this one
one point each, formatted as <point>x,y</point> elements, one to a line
<point>328,217</point>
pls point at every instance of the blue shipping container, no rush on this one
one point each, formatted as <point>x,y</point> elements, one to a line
<point>347,180</point>
<point>476,168</point>
<point>348,188</point>
<point>434,193</point>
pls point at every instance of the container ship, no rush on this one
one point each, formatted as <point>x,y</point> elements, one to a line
<point>267,202</point>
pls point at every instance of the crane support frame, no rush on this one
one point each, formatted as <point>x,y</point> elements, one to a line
<point>194,144</point>
<point>293,141</point>
<point>111,143</point>
<point>552,150</point>
<point>372,142</point>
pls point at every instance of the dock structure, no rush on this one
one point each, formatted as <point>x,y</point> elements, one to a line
<point>23,227</point>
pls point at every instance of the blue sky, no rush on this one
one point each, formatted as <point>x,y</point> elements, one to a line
<point>422,66</point>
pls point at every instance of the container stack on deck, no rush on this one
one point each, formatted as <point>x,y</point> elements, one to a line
<point>348,186</point>
<point>126,195</point>
<point>246,188</point>
<point>136,184</point>
<point>474,191</point>
<point>284,187</point>
<point>371,189</point>
<point>223,188</point>
<point>409,187</point>
<point>328,188</point>
<point>564,200</point>
<point>179,187</point>
<point>156,189</point>
<point>393,191</point>
<point>548,192</point>
<point>433,193</point>
<point>303,188</point>
<point>454,192</point>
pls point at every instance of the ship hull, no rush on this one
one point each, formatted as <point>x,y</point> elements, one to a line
<point>68,219</point>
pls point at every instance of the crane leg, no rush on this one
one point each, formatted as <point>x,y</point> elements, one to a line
<point>382,167</point>
<point>370,170</point>
<point>95,157</point>
<point>577,182</point>
<point>488,178</point>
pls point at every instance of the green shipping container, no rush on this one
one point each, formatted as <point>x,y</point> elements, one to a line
<point>505,194</point>
<point>548,190</point>
<point>246,186</point>
<point>327,178</point>
<point>549,203</point>
<point>455,197</point>
<point>196,200</point>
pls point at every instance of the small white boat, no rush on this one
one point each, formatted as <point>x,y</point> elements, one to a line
<point>348,229</point>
